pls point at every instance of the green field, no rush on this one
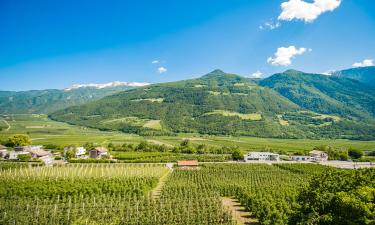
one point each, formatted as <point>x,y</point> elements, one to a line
<point>45,131</point>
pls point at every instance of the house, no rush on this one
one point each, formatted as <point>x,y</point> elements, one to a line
<point>301,158</point>
<point>2,147</point>
<point>188,164</point>
<point>261,156</point>
<point>98,152</point>
<point>80,152</point>
<point>317,155</point>
<point>47,160</point>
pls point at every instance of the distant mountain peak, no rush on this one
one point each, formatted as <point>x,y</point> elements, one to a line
<point>107,85</point>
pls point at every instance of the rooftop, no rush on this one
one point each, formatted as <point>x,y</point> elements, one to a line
<point>187,163</point>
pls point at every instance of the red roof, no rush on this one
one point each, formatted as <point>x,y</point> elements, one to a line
<point>187,163</point>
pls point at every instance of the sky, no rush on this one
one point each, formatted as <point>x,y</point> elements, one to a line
<point>48,44</point>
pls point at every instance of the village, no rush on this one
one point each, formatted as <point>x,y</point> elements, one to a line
<point>37,153</point>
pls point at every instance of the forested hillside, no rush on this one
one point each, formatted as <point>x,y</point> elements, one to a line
<point>47,101</point>
<point>288,105</point>
<point>365,75</point>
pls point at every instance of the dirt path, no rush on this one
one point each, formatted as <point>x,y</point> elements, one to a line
<point>155,193</point>
<point>6,122</point>
<point>240,215</point>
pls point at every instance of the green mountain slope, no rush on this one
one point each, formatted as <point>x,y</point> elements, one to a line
<point>217,103</point>
<point>365,75</point>
<point>288,105</point>
<point>47,101</point>
<point>325,94</point>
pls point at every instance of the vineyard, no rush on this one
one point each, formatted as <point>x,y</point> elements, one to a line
<point>121,193</point>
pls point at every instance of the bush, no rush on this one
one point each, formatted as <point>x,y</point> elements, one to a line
<point>355,153</point>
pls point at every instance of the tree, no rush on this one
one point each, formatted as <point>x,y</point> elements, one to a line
<point>337,197</point>
<point>355,153</point>
<point>71,153</point>
<point>19,140</point>
<point>237,154</point>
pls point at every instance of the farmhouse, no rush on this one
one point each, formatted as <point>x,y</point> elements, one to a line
<point>261,156</point>
<point>80,152</point>
<point>317,155</point>
<point>98,152</point>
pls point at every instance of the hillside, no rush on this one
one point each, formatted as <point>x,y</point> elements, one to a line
<point>325,94</point>
<point>365,75</point>
<point>228,104</point>
<point>47,101</point>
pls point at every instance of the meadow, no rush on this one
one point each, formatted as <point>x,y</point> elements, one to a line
<point>43,131</point>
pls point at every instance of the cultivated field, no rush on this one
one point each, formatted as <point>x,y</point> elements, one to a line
<point>130,194</point>
<point>45,131</point>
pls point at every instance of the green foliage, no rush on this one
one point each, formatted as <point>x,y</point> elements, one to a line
<point>70,154</point>
<point>24,157</point>
<point>340,197</point>
<point>19,140</point>
<point>355,153</point>
<point>237,154</point>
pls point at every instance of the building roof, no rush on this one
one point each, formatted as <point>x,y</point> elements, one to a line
<point>187,163</point>
<point>2,147</point>
<point>100,149</point>
<point>316,152</point>
<point>39,153</point>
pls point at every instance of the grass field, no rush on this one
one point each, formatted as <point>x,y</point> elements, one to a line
<point>45,131</point>
<point>250,116</point>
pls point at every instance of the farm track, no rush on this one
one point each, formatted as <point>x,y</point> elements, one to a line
<point>155,193</point>
<point>239,213</point>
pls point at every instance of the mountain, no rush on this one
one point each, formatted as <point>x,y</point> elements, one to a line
<point>365,75</point>
<point>325,94</point>
<point>287,105</point>
<point>47,101</point>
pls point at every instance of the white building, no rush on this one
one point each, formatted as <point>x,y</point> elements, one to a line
<point>261,156</point>
<point>80,152</point>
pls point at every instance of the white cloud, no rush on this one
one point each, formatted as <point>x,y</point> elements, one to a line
<point>257,74</point>
<point>301,10</point>
<point>155,62</point>
<point>162,70</point>
<point>364,63</point>
<point>284,56</point>
<point>270,25</point>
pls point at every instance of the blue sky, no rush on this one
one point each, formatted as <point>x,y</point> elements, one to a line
<point>54,44</point>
